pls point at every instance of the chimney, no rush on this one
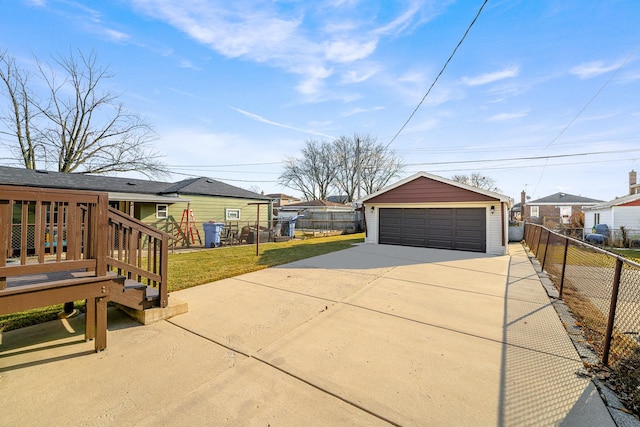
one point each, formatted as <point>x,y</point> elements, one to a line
<point>633,176</point>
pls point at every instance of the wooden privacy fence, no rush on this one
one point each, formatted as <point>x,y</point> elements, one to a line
<point>325,221</point>
<point>601,289</point>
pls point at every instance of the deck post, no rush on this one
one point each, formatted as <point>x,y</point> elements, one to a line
<point>102,232</point>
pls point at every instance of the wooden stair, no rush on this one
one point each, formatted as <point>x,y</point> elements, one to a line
<point>134,295</point>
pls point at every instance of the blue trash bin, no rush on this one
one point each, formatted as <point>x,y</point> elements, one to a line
<point>212,231</point>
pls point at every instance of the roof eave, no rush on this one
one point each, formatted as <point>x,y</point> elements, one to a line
<point>497,196</point>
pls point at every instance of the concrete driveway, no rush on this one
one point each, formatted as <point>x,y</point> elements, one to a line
<point>372,335</point>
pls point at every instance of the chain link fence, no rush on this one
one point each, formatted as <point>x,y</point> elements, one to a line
<point>601,289</point>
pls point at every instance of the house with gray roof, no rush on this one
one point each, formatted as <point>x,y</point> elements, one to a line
<point>558,208</point>
<point>621,213</point>
<point>163,204</point>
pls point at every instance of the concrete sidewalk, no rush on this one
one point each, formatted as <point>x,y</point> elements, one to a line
<point>372,335</point>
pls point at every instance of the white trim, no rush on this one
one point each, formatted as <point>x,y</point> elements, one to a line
<point>145,198</point>
<point>230,214</point>
<point>158,210</point>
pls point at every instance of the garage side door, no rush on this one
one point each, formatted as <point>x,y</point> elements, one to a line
<point>454,228</point>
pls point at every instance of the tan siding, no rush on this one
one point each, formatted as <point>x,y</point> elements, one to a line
<point>425,190</point>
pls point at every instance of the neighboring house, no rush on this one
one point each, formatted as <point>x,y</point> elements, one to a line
<point>343,198</point>
<point>621,212</point>
<point>153,202</point>
<point>516,212</point>
<point>313,206</point>
<point>426,210</point>
<point>555,209</point>
<point>280,199</point>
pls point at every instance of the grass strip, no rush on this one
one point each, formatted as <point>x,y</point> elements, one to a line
<point>188,269</point>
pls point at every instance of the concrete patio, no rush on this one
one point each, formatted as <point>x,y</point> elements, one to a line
<point>372,335</point>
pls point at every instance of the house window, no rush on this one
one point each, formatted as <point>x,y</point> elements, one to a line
<point>232,214</point>
<point>535,211</point>
<point>565,214</point>
<point>596,218</point>
<point>162,211</point>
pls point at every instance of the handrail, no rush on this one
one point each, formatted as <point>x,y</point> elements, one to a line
<point>139,252</point>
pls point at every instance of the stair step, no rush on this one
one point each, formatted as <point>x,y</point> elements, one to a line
<point>134,295</point>
<point>132,284</point>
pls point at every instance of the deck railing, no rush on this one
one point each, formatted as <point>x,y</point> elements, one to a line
<point>51,230</point>
<point>139,252</point>
<point>45,231</point>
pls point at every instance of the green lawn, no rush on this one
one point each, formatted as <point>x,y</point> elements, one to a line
<point>187,269</point>
<point>633,254</point>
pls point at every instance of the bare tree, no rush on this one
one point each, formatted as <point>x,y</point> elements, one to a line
<point>20,115</point>
<point>314,173</point>
<point>379,166</point>
<point>476,179</point>
<point>363,164</point>
<point>346,165</point>
<point>80,127</point>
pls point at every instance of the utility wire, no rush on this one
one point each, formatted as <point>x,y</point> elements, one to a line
<point>439,74</point>
<point>593,153</point>
<point>582,110</point>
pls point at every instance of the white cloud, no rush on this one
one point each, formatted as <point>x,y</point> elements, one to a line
<point>506,116</point>
<point>349,50</point>
<point>116,36</point>
<point>261,119</point>
<point>495,76</point>
<point>361,110</point>
<point>185,63</point>
<point>588,70</point>
<point>359,76</point>
<point>298,37</point>
<point>412,77</point>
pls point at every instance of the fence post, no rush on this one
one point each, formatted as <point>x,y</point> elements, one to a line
<point>546,249</point>
<point>539,239</point>
<point>564,264</point>
<point>612,312</point>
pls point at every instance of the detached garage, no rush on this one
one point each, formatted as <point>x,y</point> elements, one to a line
<point>429,211</point>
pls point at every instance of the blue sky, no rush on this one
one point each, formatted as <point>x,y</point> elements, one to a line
<point>234,87</point>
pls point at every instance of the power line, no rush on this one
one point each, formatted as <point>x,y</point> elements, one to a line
<point>572,121</point>
<point>528,166</point>
<point>439,74</point>
<point>223,166</point>
<point>525,158</point>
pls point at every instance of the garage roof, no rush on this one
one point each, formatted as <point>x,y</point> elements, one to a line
<point>423,187</point>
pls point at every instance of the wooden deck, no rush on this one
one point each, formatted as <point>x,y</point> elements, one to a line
<point>59,246</point>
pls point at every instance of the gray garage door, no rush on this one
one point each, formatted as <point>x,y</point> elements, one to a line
<point>456,228</point>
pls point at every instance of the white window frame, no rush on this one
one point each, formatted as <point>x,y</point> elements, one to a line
<point>162,211</point>
<point>534,211</point>
<point>566,219</point>
<point>232,214</point>
<point>596,218</point>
